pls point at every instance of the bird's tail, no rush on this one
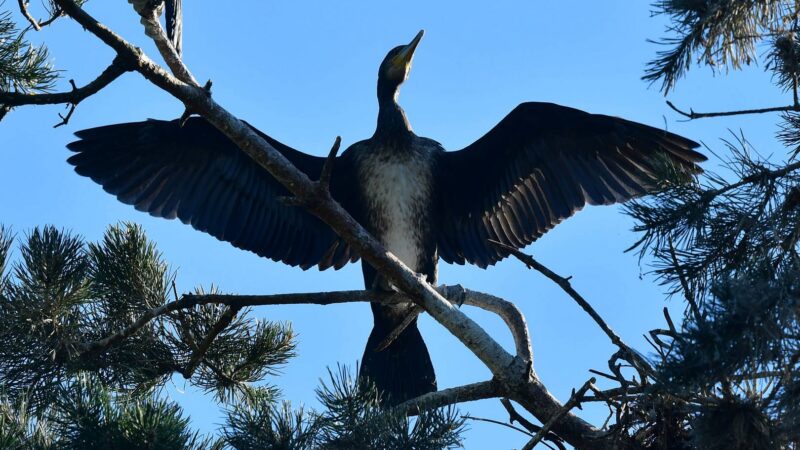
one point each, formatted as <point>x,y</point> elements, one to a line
<point>403,370</point>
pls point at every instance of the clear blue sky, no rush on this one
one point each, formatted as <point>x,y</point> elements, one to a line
<point>304,72</point>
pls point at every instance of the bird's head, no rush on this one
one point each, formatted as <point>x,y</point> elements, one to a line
<point>395,67</point>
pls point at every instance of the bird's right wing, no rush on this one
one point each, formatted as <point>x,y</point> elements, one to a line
<point>538,166</point>
<point>195,173</point>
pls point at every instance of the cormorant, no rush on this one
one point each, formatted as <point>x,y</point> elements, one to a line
<point>538,166</point>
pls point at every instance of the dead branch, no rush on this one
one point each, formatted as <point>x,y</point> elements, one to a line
<point>496,422</point>
<point>573,401</point>
<point>73,97</point>
<point>23,8</point>
<point>514,416</point>
<point>566,286</point>
<point>165,47</point>
<point>691,115</point>
<point>451,396</point>
<point>506,310</point>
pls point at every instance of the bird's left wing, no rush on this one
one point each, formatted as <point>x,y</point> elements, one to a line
<point>538,166</point>
<point>195,173</point>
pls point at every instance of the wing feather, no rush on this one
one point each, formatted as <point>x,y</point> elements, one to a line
<point>194,173</point>
<point>541,164</point>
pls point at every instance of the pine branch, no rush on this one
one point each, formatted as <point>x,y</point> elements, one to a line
<point>202,348</point>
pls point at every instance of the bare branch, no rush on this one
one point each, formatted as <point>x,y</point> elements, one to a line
<point>573,401</point>
<point>451,396</point>
<point>23,8</point>
<point>75,96</point>
<point>496,422</point>
<point>36,24</point>
<point>691,115</point>
<point>164,45</point>
<point>514,416</point>
<point>508,311</point>
<point>398,330</point>
<point>330,161</point>
<point>65,119</point>
<point>566,286</point>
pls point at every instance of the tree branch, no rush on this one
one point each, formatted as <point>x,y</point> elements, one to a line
<point>330,161</point>
<point>36,24</point>
<point>566,286</point>
<point>691,115</point>
<point>165,47</point>
<point>75,96</point>
<point>451,396</point>
<point>505,309</point>
<point>200,351</point>
<point>573,401</point>
<point>514,416</point>
<point>23,8</point>
<point>508,311</point>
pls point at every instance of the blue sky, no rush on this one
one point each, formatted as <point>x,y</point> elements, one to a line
<point>304,72</point>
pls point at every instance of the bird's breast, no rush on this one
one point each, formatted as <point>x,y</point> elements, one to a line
<point>398,192</point>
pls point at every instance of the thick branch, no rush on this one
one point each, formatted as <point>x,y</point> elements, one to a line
<point>75,96</point>
<point>507,311</point>
<point>164,45</point>
<point>691,115</point>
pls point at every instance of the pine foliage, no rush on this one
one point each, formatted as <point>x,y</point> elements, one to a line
<point>60,295</point>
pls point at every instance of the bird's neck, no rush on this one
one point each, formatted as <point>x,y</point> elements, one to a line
<point>392,121</point>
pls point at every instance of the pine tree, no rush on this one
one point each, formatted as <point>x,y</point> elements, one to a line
<point>64,387</point>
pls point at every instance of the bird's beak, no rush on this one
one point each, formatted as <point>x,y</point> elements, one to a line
<point>407,54</point>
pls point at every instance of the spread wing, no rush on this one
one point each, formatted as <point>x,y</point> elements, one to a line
<point>538,166</point>
<point>198,175</point>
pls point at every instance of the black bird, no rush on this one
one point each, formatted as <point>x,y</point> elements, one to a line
<point>538,166</point>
